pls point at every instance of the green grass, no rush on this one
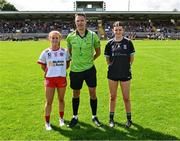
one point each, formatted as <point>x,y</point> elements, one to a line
<point>155,96</point>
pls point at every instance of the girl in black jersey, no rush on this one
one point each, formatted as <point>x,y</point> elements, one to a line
<point>119,53</point>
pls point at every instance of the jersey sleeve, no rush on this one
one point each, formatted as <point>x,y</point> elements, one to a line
<point>96,40</point>
<point>107,51</point>
<point>68,57</point>
<point>42,59</point>
<point>131,48</point>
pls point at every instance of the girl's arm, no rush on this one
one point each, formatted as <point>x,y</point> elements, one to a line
<point>131,59</point>
<point>67,64</point>
<point>43,67</point>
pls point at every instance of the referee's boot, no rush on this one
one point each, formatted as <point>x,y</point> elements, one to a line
<point>96,121</point>
<point>73,122</point>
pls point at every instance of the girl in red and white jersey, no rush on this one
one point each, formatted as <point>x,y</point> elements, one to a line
<point>54,61</point>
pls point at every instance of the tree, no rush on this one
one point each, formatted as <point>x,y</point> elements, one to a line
<point>2,2</point>
<point>5,6</point>
<point>9,7</point>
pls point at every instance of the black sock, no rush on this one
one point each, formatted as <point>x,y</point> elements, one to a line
<point>93,103</point>
<point>128,116</point>
<point>111,115</point>
<point>75,104</point>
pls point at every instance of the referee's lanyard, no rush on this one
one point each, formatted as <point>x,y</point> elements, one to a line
<point>80,44</point>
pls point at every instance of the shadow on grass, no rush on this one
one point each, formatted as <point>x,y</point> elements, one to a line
<point>140,133</point>
<point>84,131</point>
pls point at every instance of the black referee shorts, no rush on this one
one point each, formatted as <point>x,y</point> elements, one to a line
<point>77,78</point>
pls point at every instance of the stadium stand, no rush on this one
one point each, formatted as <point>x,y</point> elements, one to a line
<point>138,25</point>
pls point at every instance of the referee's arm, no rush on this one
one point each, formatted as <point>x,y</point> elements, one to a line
<point>107,60</point>
<point>97,53</point>
<point>70,50</point>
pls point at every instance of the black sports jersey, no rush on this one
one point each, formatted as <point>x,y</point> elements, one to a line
<point>119,55</point>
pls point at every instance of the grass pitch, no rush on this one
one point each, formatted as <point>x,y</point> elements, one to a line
<point>155,96</point>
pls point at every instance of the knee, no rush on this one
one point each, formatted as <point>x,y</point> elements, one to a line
<point>93,96</point>
<point>126,99</point>
<point>48,103</point>
<point>61,100</point>
<point>76,93</point>
<point>92,92</point>
<point>113,98</point>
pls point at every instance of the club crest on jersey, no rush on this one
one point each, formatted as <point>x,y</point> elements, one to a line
<point>124,46</point>
<point>49,55</point>
<point>61,53</point>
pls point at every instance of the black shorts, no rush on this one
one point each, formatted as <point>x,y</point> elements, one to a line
<point>123,79</point>
<point>77,78</point>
